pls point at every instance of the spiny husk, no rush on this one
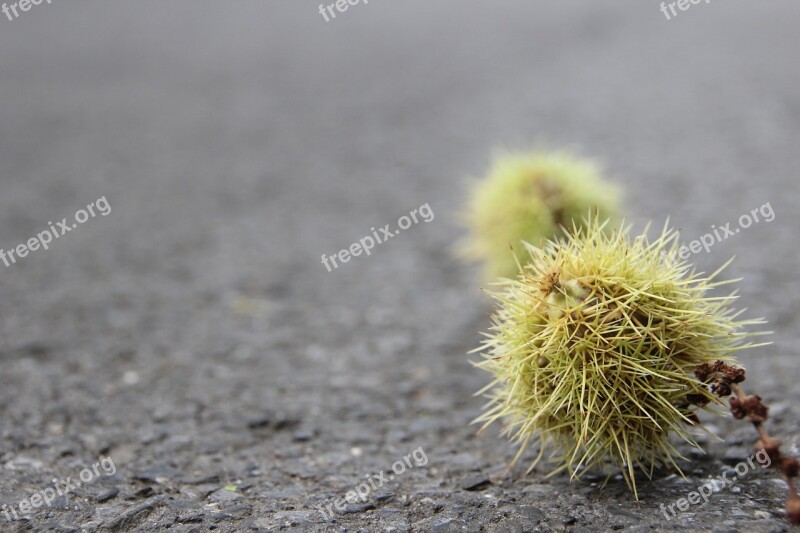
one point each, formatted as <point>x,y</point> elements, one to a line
<point>531,197</point>
<point>593,347</point>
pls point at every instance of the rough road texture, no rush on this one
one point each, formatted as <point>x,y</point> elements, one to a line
<point>193,336</point>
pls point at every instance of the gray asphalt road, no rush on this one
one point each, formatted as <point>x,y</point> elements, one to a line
<point>192,334</point>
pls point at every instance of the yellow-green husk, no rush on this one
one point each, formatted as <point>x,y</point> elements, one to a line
<point>593,348</point>
<point>530,197</point>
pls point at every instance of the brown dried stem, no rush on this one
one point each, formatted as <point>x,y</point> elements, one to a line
<point>724,380</point>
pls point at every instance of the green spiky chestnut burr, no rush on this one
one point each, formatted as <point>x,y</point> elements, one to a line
<point>593,348</point>
<point>530,197</point>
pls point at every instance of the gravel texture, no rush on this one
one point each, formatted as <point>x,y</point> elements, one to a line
<point>193,335</point>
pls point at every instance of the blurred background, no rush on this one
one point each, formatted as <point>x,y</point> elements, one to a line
<point>193,335</point>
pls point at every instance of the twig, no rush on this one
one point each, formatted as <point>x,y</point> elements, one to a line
<point>724,380</point>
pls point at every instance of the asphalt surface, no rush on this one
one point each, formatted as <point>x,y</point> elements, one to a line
<point>193,336</point>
